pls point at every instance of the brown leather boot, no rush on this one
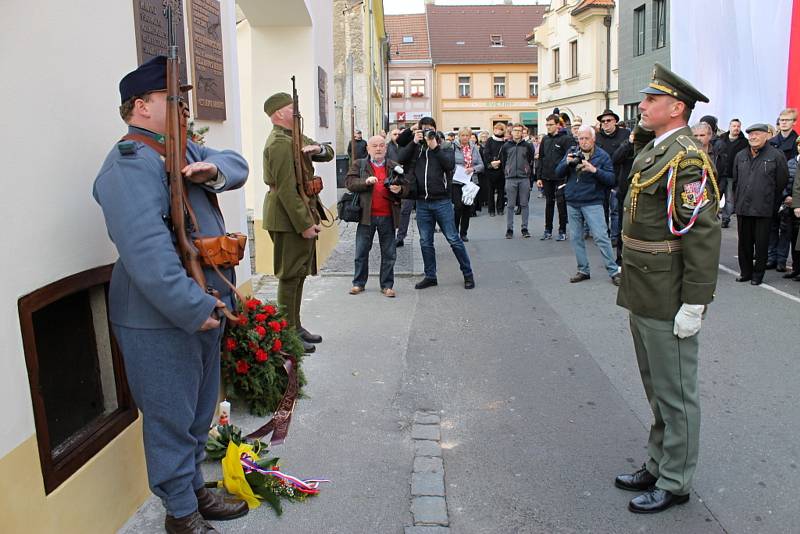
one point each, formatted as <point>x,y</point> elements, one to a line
<point>191,524</point>
<point>217,507</point>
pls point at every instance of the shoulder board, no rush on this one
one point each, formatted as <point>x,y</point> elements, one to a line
<point>127,148</point>
<point>687,143</point>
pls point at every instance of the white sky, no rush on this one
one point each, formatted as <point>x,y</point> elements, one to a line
<point>402,7</point>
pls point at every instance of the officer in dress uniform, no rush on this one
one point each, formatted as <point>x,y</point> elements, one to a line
<point>165,323</point>
<point>671,242</point>
<point>286,217</point>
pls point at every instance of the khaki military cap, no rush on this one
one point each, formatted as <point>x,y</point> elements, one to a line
<point>276,102</point>
<point>666,82</point>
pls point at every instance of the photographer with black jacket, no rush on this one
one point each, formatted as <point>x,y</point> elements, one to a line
<point>552,150</point>
<point>430,162</point>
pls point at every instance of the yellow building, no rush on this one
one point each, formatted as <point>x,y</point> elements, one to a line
<point>484,69</point>
<point>360,48</point>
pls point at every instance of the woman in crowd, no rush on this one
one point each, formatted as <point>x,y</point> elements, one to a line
<point>468,159</point>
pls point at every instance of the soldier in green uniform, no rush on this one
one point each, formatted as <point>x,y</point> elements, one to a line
<point>671,242</point>
<point>287,218</point>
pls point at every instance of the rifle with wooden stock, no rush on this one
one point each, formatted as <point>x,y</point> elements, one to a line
<point>300,159</point>
<point>183,218</point>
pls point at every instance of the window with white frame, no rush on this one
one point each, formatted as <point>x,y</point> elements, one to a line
<point>496,39</point>
<point>573,59</point>
<point>499,86</point>
<point>533,86</point>
<point>464,86</point>
<point>417,87</point>
<point>397,88</point>
<point>556,65</point>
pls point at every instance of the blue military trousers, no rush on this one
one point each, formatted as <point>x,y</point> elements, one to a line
<point>174,378</point>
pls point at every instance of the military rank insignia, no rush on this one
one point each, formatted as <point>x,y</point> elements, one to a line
<point>693,194</point>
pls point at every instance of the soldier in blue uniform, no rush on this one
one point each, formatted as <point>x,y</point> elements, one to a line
<point>164,322</point>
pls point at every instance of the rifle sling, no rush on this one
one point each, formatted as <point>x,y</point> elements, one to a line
<point>161,150</point>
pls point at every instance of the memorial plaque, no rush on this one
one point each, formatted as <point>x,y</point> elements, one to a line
<point>205,35</point>
<point>151,31</point>
<point>322,86</point>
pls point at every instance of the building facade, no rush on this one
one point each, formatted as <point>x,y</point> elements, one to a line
<point>410,70</point>
<point>304,27</point>
<point>71,454</point>
<point>361,54</point>
<point>578,60</point>
<point>484,69</point>
<point>644,39</point>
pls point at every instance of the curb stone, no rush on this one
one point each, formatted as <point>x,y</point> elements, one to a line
<point>428,498</point>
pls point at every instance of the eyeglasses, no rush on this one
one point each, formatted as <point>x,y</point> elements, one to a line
<point>608,120</point>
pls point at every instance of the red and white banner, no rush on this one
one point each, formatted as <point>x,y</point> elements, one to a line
<point>737,53</point>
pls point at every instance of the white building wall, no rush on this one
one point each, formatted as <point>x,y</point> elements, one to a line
<point>60,86</point>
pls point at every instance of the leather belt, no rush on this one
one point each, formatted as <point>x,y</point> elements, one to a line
<point>652,247</point>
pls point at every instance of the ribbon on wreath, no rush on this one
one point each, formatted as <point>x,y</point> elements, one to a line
<point>309,485</point>
<point>279,424</point>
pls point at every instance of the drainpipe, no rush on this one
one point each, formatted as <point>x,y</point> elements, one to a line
<point>607,24</point>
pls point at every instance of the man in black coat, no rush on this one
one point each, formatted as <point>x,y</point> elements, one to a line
<point>760,175</point>
<point>610,137</point>
<point>728,145</point>
<point>554,147</point>
<point>360,145</point>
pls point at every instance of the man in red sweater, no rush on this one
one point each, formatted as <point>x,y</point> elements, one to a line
<point>380,212</point>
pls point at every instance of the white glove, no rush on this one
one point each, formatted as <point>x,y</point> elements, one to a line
<point>688,319</point>
<point>468,192</point>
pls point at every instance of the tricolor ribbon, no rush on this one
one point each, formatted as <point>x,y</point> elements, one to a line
<point>309,485</point>
<point>670,206</point>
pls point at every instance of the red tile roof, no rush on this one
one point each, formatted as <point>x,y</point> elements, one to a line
<point>415,26</point>
<point>461,34</point>
<point>586,4</point>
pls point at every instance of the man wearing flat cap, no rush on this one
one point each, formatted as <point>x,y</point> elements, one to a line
<point>671,241</point>
<point>286,216</point>
<point>163,321</point>
<point>760,174</point>
<point>610,138</point>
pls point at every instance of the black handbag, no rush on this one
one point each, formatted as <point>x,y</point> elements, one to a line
<point>349,207</point>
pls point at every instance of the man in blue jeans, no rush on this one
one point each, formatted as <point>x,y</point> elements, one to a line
<point>589,173</point>
<point>431,162</point>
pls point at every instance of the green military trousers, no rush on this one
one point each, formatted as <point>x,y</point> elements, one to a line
<point>293,260</point>
<point>668,366</point>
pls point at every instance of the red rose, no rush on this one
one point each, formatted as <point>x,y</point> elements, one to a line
<point>276,346</point>
<point>275,326</point>
<point>230,344</point>
<point>260,318</point>
<point>261,355</point>
<point>284,323</point>
<point>261,331</point>
<point>251,345</point>
<point>242,367</point>
<point>242,320</point>
<point>253,304</point>
<point>269,310</point>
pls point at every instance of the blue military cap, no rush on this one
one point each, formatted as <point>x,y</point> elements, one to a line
<point>149,76</point>
<point>666,82</point>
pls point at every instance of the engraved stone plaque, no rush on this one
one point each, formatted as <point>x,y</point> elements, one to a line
<point>205,35</point>
<point>151,31</point>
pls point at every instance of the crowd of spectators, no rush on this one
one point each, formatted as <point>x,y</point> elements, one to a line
<point>582,172</point>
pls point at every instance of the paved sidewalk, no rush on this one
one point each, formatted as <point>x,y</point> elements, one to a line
<point>340,262</point>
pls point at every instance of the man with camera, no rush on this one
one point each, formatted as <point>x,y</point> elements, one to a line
<point>379,183</point>
<point>431,162</point>
<point>589,174</point>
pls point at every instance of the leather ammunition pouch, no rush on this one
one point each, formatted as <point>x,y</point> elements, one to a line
<point>313,187</point>
<point>223,251</point>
